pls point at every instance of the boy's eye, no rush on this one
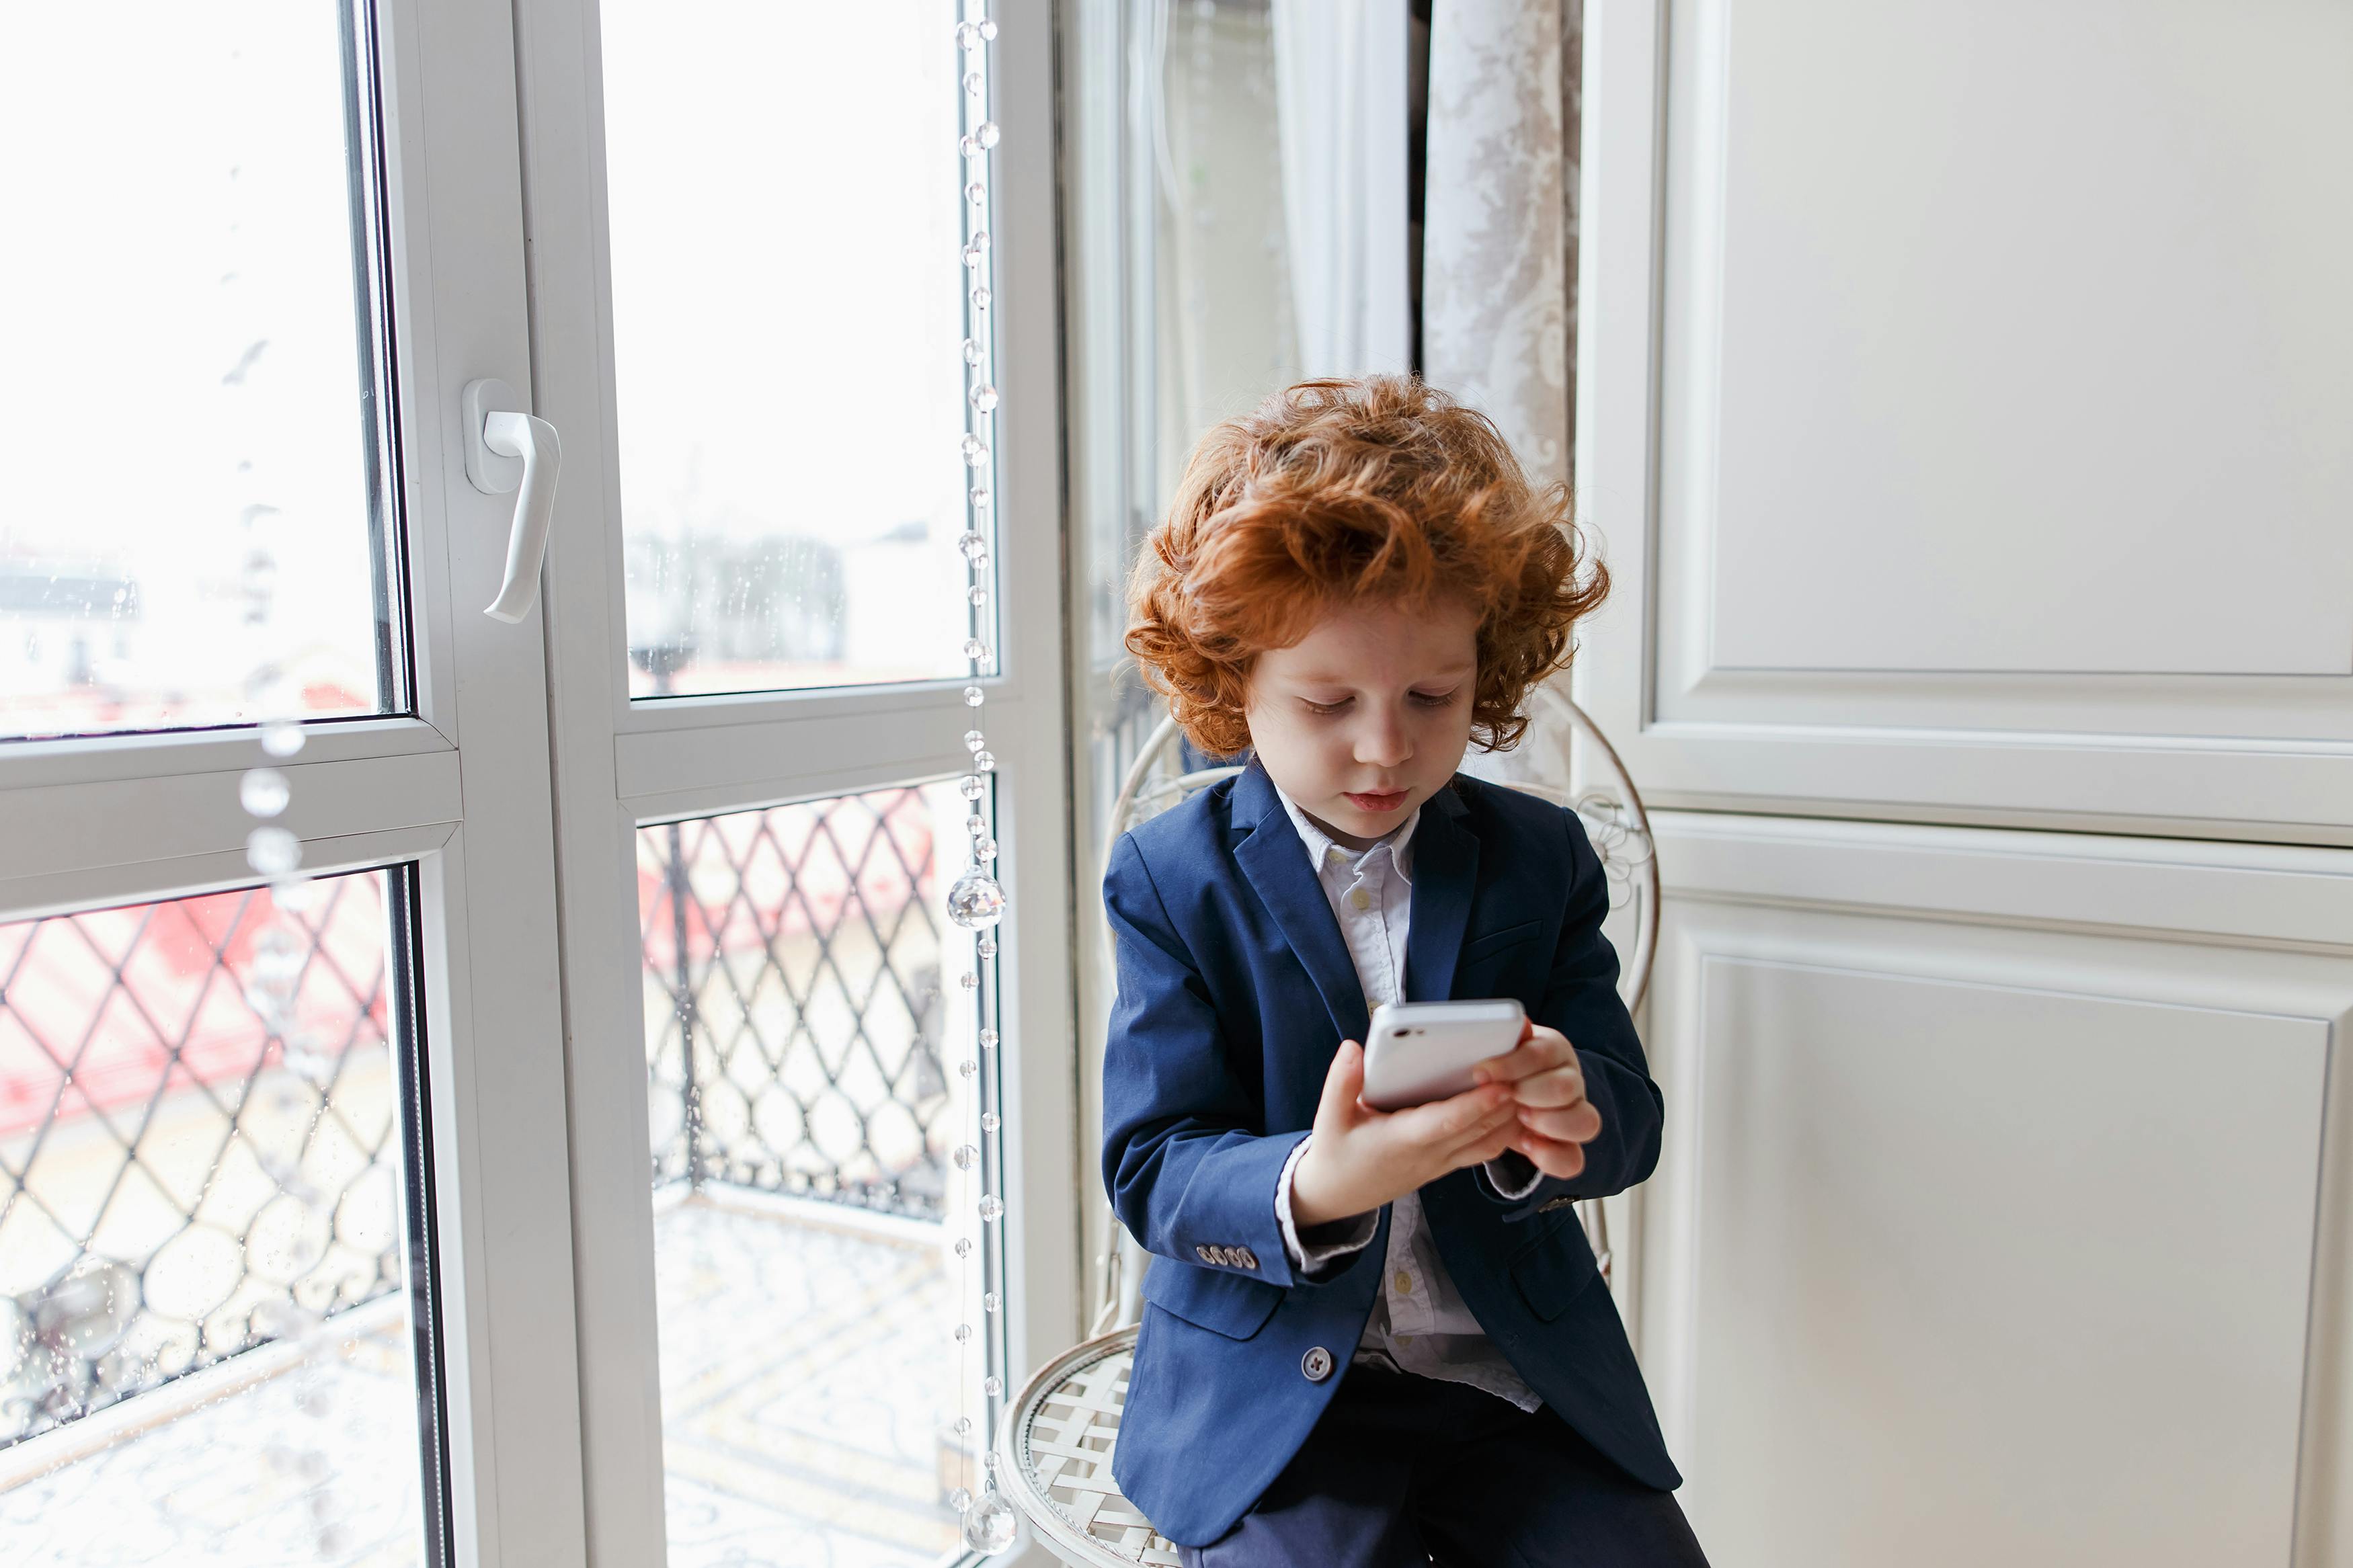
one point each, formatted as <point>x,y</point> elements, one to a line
<point>1315,707</point>
<point>1436,699</point>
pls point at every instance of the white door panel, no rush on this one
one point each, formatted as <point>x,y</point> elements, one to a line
<point>1969,412</point>
<point>1987,1225</point>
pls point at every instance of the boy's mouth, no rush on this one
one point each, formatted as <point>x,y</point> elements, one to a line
<point>1378,803</point>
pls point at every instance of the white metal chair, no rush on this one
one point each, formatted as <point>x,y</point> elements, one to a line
<point>1054,1445</point>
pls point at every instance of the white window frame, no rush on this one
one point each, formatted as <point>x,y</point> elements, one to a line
<point>460,790</point>
<point>621,765</point>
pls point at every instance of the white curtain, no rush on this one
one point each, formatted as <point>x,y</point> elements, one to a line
<point>1340,111</point>
<point>1498,231</point>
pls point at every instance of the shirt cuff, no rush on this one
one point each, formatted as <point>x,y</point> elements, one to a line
<point>1325,1243</point>
<point>1512,1173</point>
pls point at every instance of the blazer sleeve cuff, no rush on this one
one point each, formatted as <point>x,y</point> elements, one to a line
<point>1319,1252</point>
<point>1511,1175</point>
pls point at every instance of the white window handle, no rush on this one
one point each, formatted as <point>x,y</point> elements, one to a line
<point>508,450</point>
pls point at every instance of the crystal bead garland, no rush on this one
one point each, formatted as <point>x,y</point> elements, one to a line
<point>301,1089</point>
<point>975,902</point>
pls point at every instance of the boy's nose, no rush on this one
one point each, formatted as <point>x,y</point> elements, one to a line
<point>1382,743</point>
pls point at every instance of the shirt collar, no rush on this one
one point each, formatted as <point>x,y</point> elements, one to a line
<point>1320,844</point>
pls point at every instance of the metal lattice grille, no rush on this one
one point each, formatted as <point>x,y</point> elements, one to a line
<point>793,995</point>
<point>171,1192</point>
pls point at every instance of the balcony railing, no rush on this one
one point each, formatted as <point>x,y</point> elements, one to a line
<point>173,1193</point>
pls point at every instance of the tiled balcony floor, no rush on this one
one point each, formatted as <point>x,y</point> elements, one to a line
<point>806,1380</point>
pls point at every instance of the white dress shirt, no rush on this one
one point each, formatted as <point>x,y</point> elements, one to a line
<point>1421,1323</point>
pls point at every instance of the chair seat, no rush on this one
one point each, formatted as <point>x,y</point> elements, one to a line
<point>1054,1450</point>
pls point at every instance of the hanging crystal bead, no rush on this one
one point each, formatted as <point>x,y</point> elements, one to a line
<point>990,1527</point>
<point>976,901</point>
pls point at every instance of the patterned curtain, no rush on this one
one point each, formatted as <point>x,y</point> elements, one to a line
<point>1499,243</point>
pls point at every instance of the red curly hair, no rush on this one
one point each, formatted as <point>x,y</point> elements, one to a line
<point>1333,491</point>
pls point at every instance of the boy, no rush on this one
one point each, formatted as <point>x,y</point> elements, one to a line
<point>1371,1338</point>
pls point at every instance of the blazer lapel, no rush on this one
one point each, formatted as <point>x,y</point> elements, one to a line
<point>1275,861</point>
<point>1445,875</point>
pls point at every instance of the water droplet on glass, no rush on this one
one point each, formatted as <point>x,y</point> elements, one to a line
<point>987,133</point>
<point>975,902</point>
<point>273,851</point>
<point>988,1039</point>
<point>984,761</point>
<point>282,737</point>
<point>974,697</point>
<point>990,1527</point>
<point>984,397</point>
<point>966,1156</point>
<point>973,786</point>
<point>960,1499</point>
<point>992,1207</point>
<point>264,791</point>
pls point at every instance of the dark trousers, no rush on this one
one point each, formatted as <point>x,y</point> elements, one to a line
<point>1403,1470</point>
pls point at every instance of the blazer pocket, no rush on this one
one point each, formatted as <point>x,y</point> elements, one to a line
<point>1233,1305</point>
<point>1551,1271</point>
<point>1492,942</point>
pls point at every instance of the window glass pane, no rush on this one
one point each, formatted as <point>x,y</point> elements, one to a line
<point>788,297</point>
<point>189,456</point>
<point>207,1324</point>
<point>806,1101</point>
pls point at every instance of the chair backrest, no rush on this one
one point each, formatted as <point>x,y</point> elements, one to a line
<point>1562,748</point>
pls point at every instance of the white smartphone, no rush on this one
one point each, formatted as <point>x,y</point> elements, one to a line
<point>1422,1051</point>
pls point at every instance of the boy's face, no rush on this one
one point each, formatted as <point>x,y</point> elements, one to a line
<point>1368,714</point>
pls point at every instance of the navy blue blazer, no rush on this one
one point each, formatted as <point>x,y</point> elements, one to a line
<point>1235,990</point>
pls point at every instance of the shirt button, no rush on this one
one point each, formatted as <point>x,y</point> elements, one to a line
<point>1361,898</point>
<point>1404,1283</point>
<point>1316,1364</point>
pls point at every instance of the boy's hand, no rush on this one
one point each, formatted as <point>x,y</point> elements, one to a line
<point>1547,1088</point>
<point>1361,1158</point>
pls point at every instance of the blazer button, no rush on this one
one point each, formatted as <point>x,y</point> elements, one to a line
<point>1316,1364</point>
